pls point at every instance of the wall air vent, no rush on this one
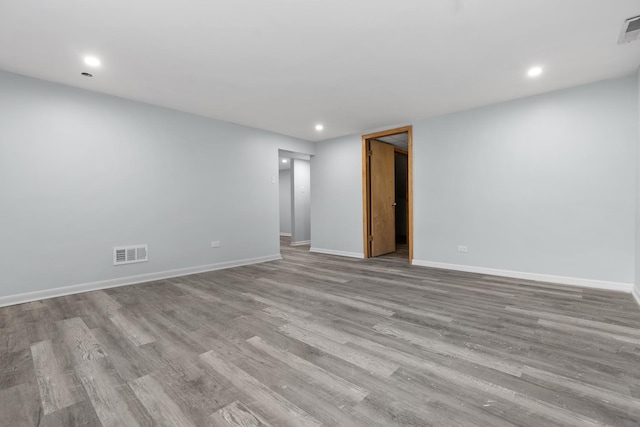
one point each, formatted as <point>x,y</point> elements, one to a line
<point>630,30</point>
<point>130,254</point>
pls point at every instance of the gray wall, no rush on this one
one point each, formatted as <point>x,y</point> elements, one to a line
<point>285,201</point>
<point>543,185</point>
<point>81,172</point>
<point>300,200</point>
<point>637,283</point>
<point>336,208</point>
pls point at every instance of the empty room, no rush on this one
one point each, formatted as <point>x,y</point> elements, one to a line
<point>320,213</point>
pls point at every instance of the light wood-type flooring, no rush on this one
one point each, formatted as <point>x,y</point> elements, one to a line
<point>322,340</point>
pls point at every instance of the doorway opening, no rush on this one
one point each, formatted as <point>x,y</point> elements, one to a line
<point>387,193</point>
<point>294,182</point>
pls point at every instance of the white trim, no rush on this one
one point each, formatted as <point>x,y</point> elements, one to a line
<point>285,234</point>
<point>339,253</point>
<point>563,280</point>
<point>130,280</point>
<point>301,243</point>
<point>636,293</point>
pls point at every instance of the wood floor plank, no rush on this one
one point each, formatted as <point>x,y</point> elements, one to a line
<point>125,356</point>
<point>17,368</point>
<point>202,295</point>
<point>451,350</point>
<point>314,373</point>
<point>568,327</point>
<point>78,414</point>
<point>42,324</point>
<point>318,339</point>
<point>91,364</point>
<point>334,298</point>
<point>406,308</point>
<point>160,406</point>
<point>286,412</point>
<point>614,399</point>
<point>327,406</point>
<point>58,387</point>
<point>237,414</point>
<point>131,329</point>
<point>13,339</point>
<point>20,406</point>
<point>194,390</point>
<point>279,306</point>
<point>103,303</point>
<point>358,358</point>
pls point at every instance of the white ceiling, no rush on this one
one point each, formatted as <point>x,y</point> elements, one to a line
<point>285,65</point>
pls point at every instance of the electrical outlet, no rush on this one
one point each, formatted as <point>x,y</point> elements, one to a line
<point>215,244</point>
<point>462,249</point>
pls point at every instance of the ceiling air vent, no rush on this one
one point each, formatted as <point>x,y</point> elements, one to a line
<point>130,254</point>
<point>630,30</point>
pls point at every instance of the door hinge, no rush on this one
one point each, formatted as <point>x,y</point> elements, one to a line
<point>371,238</point>
<point>369,153</point>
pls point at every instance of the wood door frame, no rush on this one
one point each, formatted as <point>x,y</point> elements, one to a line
<point>366,177</point>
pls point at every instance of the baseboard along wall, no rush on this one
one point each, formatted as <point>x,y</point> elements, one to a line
<point>636,293</point>
<point>129,280</point>
<point>562,280</point>
<point>301,243</point>
<point>142,278</point>
<point>339,253</point>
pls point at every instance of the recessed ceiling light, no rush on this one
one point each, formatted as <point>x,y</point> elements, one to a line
<point>284,160</point>
<point>534,71</point>
<point>92,61</point>
<point>319,127</point>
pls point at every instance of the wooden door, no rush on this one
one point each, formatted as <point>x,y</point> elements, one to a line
<point>383,222</point>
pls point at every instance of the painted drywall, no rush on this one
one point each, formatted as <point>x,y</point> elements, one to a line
<point>300,201</point>
<point>637,269</point>
<point>285,201</point>
<point>81,172</point>
<point>336,207</point>
<point>544,185</point>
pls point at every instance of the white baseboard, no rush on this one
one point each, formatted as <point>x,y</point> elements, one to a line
<point>339,253</point>
<point>129,280</point>
<point>636,293</point>
<point>563,280</point>
<point>285,234</point>
<point>301,243</point>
